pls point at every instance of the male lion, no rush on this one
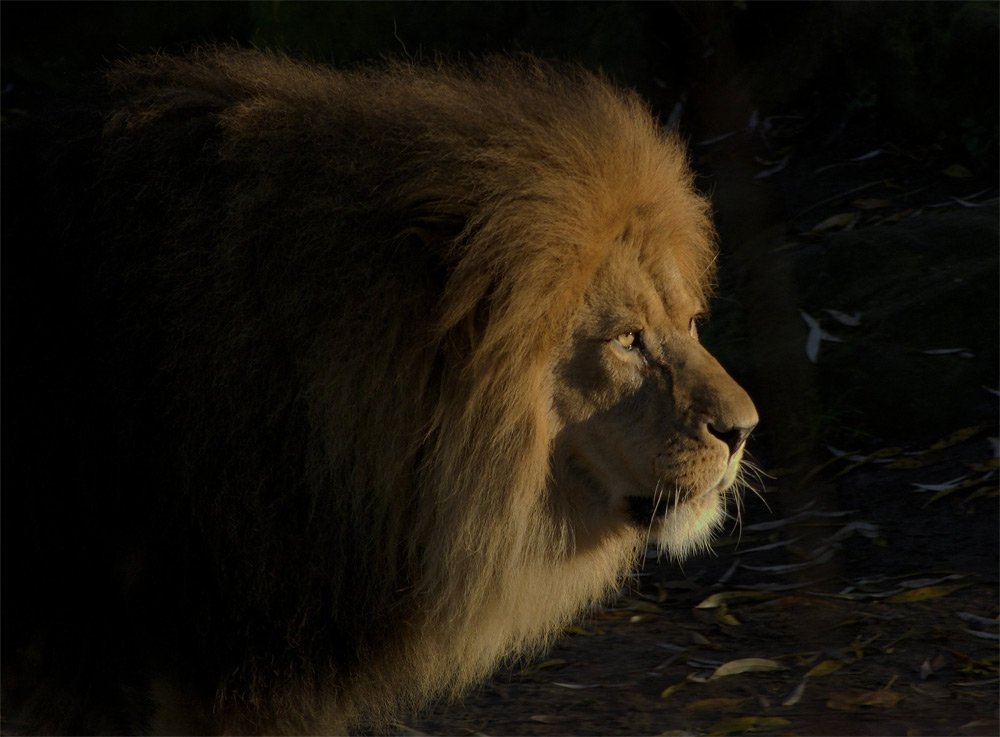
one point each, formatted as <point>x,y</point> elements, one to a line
<point>327,391</point>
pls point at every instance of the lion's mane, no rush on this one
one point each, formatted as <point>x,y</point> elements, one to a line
<point>285,447</point>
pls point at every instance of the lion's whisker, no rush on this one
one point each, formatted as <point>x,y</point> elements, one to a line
<point>657,496</point>
<point>749,466</point>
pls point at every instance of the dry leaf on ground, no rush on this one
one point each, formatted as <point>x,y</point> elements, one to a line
<point>852,700</point>
<point>745,665</point>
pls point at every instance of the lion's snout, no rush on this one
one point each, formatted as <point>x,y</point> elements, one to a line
<point>722,407</point>
<point>734,437</point>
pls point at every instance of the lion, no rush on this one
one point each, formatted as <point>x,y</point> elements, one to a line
<point>327,392</point>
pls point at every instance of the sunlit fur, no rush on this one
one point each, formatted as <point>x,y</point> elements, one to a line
<point>360,281</point>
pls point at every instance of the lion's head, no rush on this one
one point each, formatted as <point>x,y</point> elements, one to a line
<point>652,429</point>
<point>405,363</point>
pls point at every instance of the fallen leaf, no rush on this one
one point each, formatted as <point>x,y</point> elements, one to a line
<point>672,647</point>
<point>853,700</point>
<point>849,454</point>
<point>843,318</point>
<point>889,646</point>
<point>942,351</point>
<point>794,519</point>
<point>950,490</point>
<point>970,617</point>
<point>940,661</point>
<point>932,690</point>
<point>926,592</point>
<point>865,529</point>
<point>723,618</point>
<point>957,171</point>
<point>642,606</point>
<point>716,600</point>
<point>745,724</point>
<point>886,699</point>
<point>926,669</point>
<point>716,139</point>
<point>777,166</point>
<point>699,639</point>
<point>910,462</point>
<point>843,220</point>
<point>576,686</point>
<point>901,215</point>
<point>971,665</point>
<point>882,455</point>
<point>983,635</point>
<point>993,464</point>
<point>790,567</point>
<point>825,668</point>
<point>858,646</point>
<point>745,665</point>
<point>669,690</point>
<point>548,719</point>
<point>841,195</point>
<point>796,695</point>
<point>888,452</point>
<point>816,334</point>
<point>916,583</point>
<point>966,203</point>
<point>715,704</point>
<point>943,486</point>
<point>957,437</point>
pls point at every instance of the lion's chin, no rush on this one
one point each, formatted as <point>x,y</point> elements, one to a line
<point>682,528</point>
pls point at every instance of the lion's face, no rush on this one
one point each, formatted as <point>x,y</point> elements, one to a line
<point>652,427</point>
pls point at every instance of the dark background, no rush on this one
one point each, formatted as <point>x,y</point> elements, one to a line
<point>850,150</point>
<point>825,83</point>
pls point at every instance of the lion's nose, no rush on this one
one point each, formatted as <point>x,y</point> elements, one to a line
<point>734,437</point>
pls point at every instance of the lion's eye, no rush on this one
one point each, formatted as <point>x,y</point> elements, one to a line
<point>627,340</point>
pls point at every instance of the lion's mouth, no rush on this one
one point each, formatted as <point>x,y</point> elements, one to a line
<point>641,509</point>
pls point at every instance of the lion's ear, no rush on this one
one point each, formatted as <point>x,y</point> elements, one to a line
<point>430,239</point>
<point>439,225</point>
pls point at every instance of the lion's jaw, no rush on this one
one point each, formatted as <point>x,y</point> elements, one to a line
<point>676,511</point>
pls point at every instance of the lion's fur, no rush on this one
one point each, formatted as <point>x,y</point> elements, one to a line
<point>339,295</point>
